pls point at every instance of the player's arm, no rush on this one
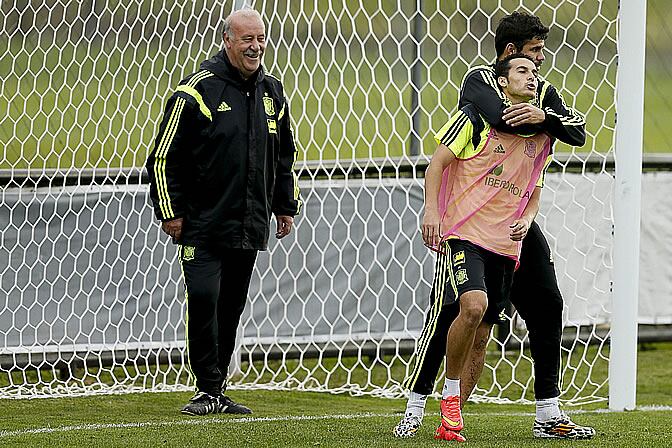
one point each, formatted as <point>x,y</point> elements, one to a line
<point>562,122</point>
<point>431,231</point>
<point>480,89</point>
<point>286,196</point>
<point>520,226</point>
<point>555,118</point>
<point>452,138</point>
<point>165,163</point>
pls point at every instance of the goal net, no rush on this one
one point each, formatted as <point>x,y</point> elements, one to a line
<point>91,299</point>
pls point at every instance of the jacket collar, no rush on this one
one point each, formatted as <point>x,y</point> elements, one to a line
<point>220,65</point>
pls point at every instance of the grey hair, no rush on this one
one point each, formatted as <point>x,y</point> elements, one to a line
<point>227,27</point>
<point>245,11</point>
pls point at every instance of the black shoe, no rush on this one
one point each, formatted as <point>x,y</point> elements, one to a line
<point>202,404</point>
<point>231,407</point>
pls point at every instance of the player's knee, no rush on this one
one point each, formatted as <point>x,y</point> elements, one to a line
<point>472,307</point>
<point>552,307</point>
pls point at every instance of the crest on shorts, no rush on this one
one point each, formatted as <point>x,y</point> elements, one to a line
<point>461,276</point>
<point>458,257</point>
<point>530,148</point>
<point>188,253</point>
<point>269,107</point>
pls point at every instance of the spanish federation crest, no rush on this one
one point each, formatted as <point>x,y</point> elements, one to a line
<point>461,276</point>
<point>188,253</point>
<point>530,149</point>
<point>269,107</point>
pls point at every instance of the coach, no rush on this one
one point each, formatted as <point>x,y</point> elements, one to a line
<point>221,164</point>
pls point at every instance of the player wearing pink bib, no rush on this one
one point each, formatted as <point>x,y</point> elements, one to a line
<point>481,194</point>
<point>535,293</point>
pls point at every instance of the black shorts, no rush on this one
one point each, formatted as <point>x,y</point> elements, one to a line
<point>468,267</point>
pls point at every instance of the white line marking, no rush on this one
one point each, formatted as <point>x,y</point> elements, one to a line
<point>288,418</point>
<point>189,422</point>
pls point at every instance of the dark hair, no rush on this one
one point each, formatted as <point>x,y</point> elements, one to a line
<point>502,67</point>
<point>517,29</point>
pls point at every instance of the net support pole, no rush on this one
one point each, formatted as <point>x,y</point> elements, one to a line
<point>627,203</point>
<point>416,79</point>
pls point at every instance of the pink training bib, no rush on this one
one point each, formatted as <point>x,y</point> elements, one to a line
<point>481,196</point>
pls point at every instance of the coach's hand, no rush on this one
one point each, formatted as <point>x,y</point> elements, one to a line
<point>523,113</point>
<point>431,228</point>
<point>284,226</point>
<point>519,229</point>
<point>173,228</point>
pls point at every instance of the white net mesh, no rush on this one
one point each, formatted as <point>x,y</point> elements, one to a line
<point>90,291</point>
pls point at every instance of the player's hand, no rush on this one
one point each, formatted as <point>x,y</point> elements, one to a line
<point>173,228</point>
<point>523,113</point>
<point>519,229</point>
<point>431,228</point>
<point>284,226</point>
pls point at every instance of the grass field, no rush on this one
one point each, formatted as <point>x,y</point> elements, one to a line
<point>286,419</point>
<point>306,419</point>
<point>90,93</point>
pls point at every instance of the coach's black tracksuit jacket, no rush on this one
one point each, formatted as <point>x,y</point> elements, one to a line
<point>223,158</point>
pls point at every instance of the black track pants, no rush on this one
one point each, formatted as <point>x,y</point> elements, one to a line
<point>537,298</point>
<point>216,284</point>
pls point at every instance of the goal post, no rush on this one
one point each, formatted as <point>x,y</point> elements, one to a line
<point>91,297</point>
<point>627,204</point>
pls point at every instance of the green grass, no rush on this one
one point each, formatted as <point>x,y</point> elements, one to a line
<point>71,98</point>
<point>487,425</point>
<point>151,419</point>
